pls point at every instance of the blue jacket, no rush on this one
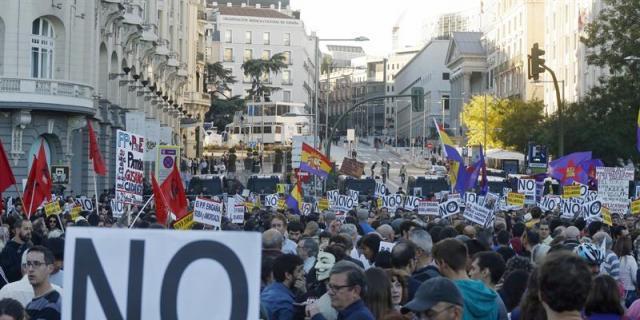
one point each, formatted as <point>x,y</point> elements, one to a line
<point>479,300</point>
<point>356,311</point>
<point>277,299</point>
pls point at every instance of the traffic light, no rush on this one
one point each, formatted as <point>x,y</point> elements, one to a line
<point>417,99</point>
<point>536,62</point>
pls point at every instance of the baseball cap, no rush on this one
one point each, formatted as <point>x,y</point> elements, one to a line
<point>431,292</point>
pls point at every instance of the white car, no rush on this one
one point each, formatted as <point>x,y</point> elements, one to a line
<point>438,171</point>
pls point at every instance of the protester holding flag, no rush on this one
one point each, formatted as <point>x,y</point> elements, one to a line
<point>38,187</point>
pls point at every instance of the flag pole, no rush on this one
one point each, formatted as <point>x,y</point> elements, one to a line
<point>95,187</point>
<point>31,204</point>
<point>140,212</point>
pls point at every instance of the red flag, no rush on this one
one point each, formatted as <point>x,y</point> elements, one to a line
<point>94,152</point>
<point>161,206</point>
<point>6,175</point>
<point>38,188</point>
<point>174,194</point>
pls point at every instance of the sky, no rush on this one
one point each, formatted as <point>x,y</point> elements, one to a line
<point>374,19</point>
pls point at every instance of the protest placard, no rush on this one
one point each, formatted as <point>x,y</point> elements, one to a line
<point>411,202</point>
<point>606,216</point>
<point>207,212</point>
<point>332,195</point>
<point>380,190</point>
<point>271,200</point>
<point>613,188</point>
<point>477,214</point>
<point>238,214</point>
<point>191,274</point>
<point>635,207</point>
<point>306,208</point>
<point>129,167</point>
<point>354,195</point>
<point>449,208</point>
<point>515,199</point>
<point>430,208</point>
<point>52,208</point>
<point>75,212</point>
<point>569,209</point>
<point>572,191</point>
<point>343,203</point>
<point>549,203</point>
<point>386,246</point>
<point>185,223</point>
<point>323,204</point>
<point>392,202</point>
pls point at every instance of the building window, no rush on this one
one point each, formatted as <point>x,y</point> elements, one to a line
<point>266,54</point>
<point>278,129</point>
<point>228,38</point>
<point>228,54</point>
<point>287,57</point>
<point>286,39</point>
<point>266,38</point>
<point>445,102</point>
<point>42,48</point>
<point>248,54</point>
<point>286,96</point>
<point>247,37</point>
<point>286,77</point>
<point>445,76</point>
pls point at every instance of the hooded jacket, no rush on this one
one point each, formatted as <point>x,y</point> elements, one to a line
<point>479,300</point>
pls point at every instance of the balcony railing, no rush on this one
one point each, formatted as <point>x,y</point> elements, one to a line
<point>198,98</point>
<point>46,91</point>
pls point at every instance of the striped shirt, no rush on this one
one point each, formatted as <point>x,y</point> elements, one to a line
<point>611,265</point>
<point>46,307</point>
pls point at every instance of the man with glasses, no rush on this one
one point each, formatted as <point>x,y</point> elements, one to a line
<point>437,299</point>
<point>47,302</point>
<point>346,287</point>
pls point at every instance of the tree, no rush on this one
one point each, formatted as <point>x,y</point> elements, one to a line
<point>604,121</point>
<point>259,70</point>
<point>217,81</point>
<point>473,117</point>
<point>520,122</point>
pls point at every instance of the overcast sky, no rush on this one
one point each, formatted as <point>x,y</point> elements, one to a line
<point>374,18</point>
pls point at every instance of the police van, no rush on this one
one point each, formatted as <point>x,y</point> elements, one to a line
<point>427,185</point>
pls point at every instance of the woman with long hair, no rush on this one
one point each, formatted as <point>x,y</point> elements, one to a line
<point>530,307</point>
<point>399,288</point>
<point>377,297</point>
<point>604,301</point>
<point>628,268</point>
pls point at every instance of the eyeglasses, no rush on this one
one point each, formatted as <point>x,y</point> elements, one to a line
<point>431,314</point>
<point>35,264</point>
<point>336,288</point>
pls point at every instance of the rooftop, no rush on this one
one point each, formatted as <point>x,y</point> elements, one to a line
<point>253,12</point>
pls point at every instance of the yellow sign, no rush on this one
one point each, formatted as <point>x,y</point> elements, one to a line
<point>379,202</point>
<point>635,207</point>
<point>281,204</point>
<point>75,212</point>
<point>249,206</point>
<point>323,204</point>
<point>515,199</point>
<point>571,191</point>
<point>52,208</point>
<point>281,188</point>
<point>185,223</point>
<point>606,216</point>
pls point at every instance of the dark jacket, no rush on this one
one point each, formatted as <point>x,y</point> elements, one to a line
<point>278,300</point>
<point>356,311</point>
<point>10,259</point>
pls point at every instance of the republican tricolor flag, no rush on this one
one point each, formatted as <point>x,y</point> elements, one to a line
<point>314,162</point>
<point>456,163</point>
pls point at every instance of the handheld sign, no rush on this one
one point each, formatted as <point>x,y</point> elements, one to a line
<point>478,214</point>
<point>323,204</point>
<point>52,208</point>
<point>380,190</point>
<point>207,212</point>
<point>449,208</point>
<point>238,214</point>
<point>527,187</point>
<point>470,197</point>
<point>144,274</point>
<point>430,208</point>
<point>606,216</point>
<point>344,203</point>
<point>306,208</point>
<point>386,246</point>
<point>271,200</point>
<point>411,202</point>
<point>635,207</point>
<point>515,199</point>
<point>392,202</point>
<point>332,195</point>
<point>75,212</point>
<point>571,191</point>
<point>549,203</point>
<point>185,223</point>
<point>592,209</point>
<point>354,195</point>
<point>86,203</point>
<point>569,209</point>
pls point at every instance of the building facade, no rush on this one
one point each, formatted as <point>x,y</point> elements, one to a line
<point>120,64</point>
<point>242,33</point>
<point>427,70</point>
<point>395,62</point>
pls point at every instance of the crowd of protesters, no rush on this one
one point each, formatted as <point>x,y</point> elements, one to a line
<point>369,263</point>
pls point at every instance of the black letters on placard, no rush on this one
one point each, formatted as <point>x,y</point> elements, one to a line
<point>205,249</point>
<point>87,266</point>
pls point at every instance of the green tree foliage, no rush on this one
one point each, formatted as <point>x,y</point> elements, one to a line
<point>604,122</point>
<point>520,122</point>
<point>510,123</point>
<point>222,107</point>
<point>258,70</point>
